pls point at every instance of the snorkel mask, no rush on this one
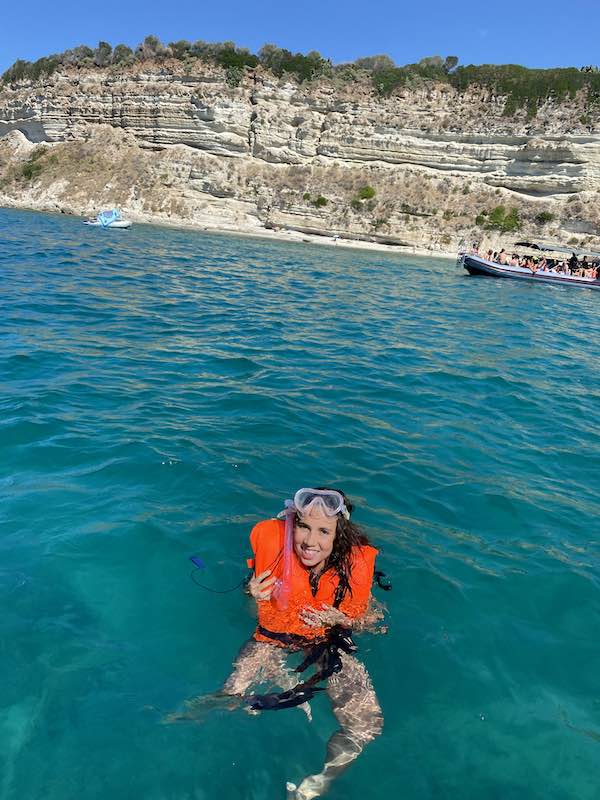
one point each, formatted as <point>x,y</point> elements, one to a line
<point>329,502</point>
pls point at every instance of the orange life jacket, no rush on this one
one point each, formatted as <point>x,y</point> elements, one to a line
<point>267,540</point>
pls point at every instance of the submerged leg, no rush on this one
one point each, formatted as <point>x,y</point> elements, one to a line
<point>357,709</point>
<point>258,662</point>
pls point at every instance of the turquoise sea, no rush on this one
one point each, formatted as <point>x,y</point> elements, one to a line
<point>164,390</point>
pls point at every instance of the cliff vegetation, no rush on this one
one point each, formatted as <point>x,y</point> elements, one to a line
<point>523,87</point>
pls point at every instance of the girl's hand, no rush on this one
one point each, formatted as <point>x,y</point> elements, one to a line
<point>325,617</point>
<point>261,586</point>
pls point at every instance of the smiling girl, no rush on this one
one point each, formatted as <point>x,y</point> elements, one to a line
<point>312,585</point>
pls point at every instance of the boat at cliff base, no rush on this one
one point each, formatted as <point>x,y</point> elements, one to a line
<point>109,219</point>
<point>478,265</point>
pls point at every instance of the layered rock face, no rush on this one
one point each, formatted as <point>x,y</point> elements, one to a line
<point>183,145</point>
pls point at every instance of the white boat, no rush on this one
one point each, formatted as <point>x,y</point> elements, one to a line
<point>109,219</point>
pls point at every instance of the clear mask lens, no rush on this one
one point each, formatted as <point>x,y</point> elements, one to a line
<point>328,501</point>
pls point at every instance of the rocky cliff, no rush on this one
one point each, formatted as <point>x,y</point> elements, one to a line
<point>423,167</point>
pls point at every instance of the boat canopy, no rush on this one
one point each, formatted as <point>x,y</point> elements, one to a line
<point>105,218</point>
<point>556,248</point>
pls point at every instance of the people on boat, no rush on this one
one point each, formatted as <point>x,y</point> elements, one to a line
<point>544,264</point>
<point>590,270</point>
<point>313,570</point>
<point>573,264</point>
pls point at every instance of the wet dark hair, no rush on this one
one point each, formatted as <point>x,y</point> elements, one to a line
<point>347,536</point>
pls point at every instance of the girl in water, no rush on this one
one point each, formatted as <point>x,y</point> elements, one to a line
<point>313,573</point>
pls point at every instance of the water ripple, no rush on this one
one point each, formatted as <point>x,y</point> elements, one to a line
<point>163,390</point>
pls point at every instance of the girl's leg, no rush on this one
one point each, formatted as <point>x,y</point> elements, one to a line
<point>258,662</point>
<point>357,709</point>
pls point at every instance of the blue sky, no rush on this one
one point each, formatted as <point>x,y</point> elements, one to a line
<point>533,33</point>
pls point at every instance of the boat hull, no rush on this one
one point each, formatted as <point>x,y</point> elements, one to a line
<point>120,223</point>
<point>475,265</point>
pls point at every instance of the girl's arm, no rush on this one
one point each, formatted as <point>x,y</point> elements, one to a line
<point>328,616</point>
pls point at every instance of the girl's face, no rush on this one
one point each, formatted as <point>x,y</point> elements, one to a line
<point>314,534</point>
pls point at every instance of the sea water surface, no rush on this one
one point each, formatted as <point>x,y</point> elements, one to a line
<point>164,390</point>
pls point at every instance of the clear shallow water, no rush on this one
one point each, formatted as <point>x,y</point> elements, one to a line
<point>164,390</point>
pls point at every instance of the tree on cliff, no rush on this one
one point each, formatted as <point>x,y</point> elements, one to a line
<point>81,56</point>
<point>102,54</point>
<point>180,49</point>
<point>375,63</point>
<point>279,60</point>
<point>122,54</point>
<point>450,63</point>
<point>151,47</point>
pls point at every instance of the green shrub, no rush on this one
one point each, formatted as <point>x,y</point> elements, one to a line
<point>33,166</point>
<point>122,54</point>
<point>366,193</point>
<point>279,61</point>
<point>379,223</point>
<point>431,68</point>
<point>375,63</point>
<point>233,76</point>
<point>21,70</point>
<point>150,48</point>
<point>501,220</point>
<point>80,56</point>
<point>386,80</point>
<point>544,217</point>
<point>103,54</point>
<point>179,49</point>
<point>306,196</point>
<point>497,216</point>
<point>17,72</point>
<point>512,221</point>
<point>510,107</point>
<point>229,56</point>
<point>526,88</point>
<point>363,200</point>
<point>31,169</point>
<point>320,201</point>
<point>450,63</point>
<point>37,153</point>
